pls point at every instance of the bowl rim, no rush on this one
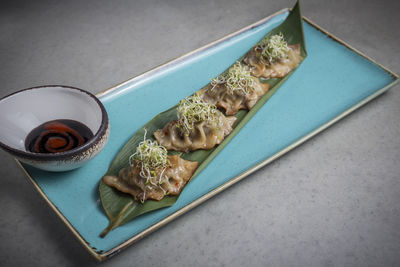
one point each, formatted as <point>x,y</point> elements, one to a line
<point>66,154</point>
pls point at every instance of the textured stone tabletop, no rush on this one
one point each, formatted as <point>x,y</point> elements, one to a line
<point>334,201</point>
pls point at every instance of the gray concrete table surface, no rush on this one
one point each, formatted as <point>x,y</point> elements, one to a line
<point>334,201</point>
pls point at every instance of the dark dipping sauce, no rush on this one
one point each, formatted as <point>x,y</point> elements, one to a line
<point>57,136</point>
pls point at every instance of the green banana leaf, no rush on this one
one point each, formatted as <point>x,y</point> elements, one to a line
<point>122,208</point>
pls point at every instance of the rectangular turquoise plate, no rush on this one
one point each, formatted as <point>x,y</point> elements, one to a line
<point>330,83</point>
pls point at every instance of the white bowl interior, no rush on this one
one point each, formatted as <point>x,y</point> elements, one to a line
<point>22,112</point>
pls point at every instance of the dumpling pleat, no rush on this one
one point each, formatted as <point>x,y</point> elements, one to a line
<point>203,136</point>
<point>277,69</point>
<point>174,179</point>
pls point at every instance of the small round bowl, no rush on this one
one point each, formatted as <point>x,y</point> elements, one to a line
<point>24,110</point>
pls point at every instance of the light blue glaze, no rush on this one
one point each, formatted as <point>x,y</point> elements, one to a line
<point>329,81</point>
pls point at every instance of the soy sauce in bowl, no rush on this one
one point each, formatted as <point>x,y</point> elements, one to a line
<point>57,136</point>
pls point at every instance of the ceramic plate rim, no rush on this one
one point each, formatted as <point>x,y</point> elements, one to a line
<point>198,201</point>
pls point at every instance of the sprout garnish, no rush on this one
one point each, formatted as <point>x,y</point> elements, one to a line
<point>274,48</point>
<point>236,79</point>
<point>152,159</point>
<point>194,109</point>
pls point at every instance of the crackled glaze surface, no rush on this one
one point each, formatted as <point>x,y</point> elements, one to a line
<point>331,202</point>
<point>314,95</point>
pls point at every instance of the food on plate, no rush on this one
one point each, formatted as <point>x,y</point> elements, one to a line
<point>200,125</point>
<point>234,89</point>
<point>273,57</point>
<point>152,173</point>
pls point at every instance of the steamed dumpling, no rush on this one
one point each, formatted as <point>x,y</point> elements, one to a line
<point>277,69</point>
<point>234,89</point>
<point>233,102</point>
<point>200,125</point>
<point>170,180</point>
<point>204,135</point>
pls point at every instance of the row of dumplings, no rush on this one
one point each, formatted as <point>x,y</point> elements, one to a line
<point>203,121</point>
<point>200,124</point>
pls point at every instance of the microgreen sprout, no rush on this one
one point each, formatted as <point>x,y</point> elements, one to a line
<point>152,159</point>
<point>236,79</point>
<point>274,48</point>
<point>194,109</point>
